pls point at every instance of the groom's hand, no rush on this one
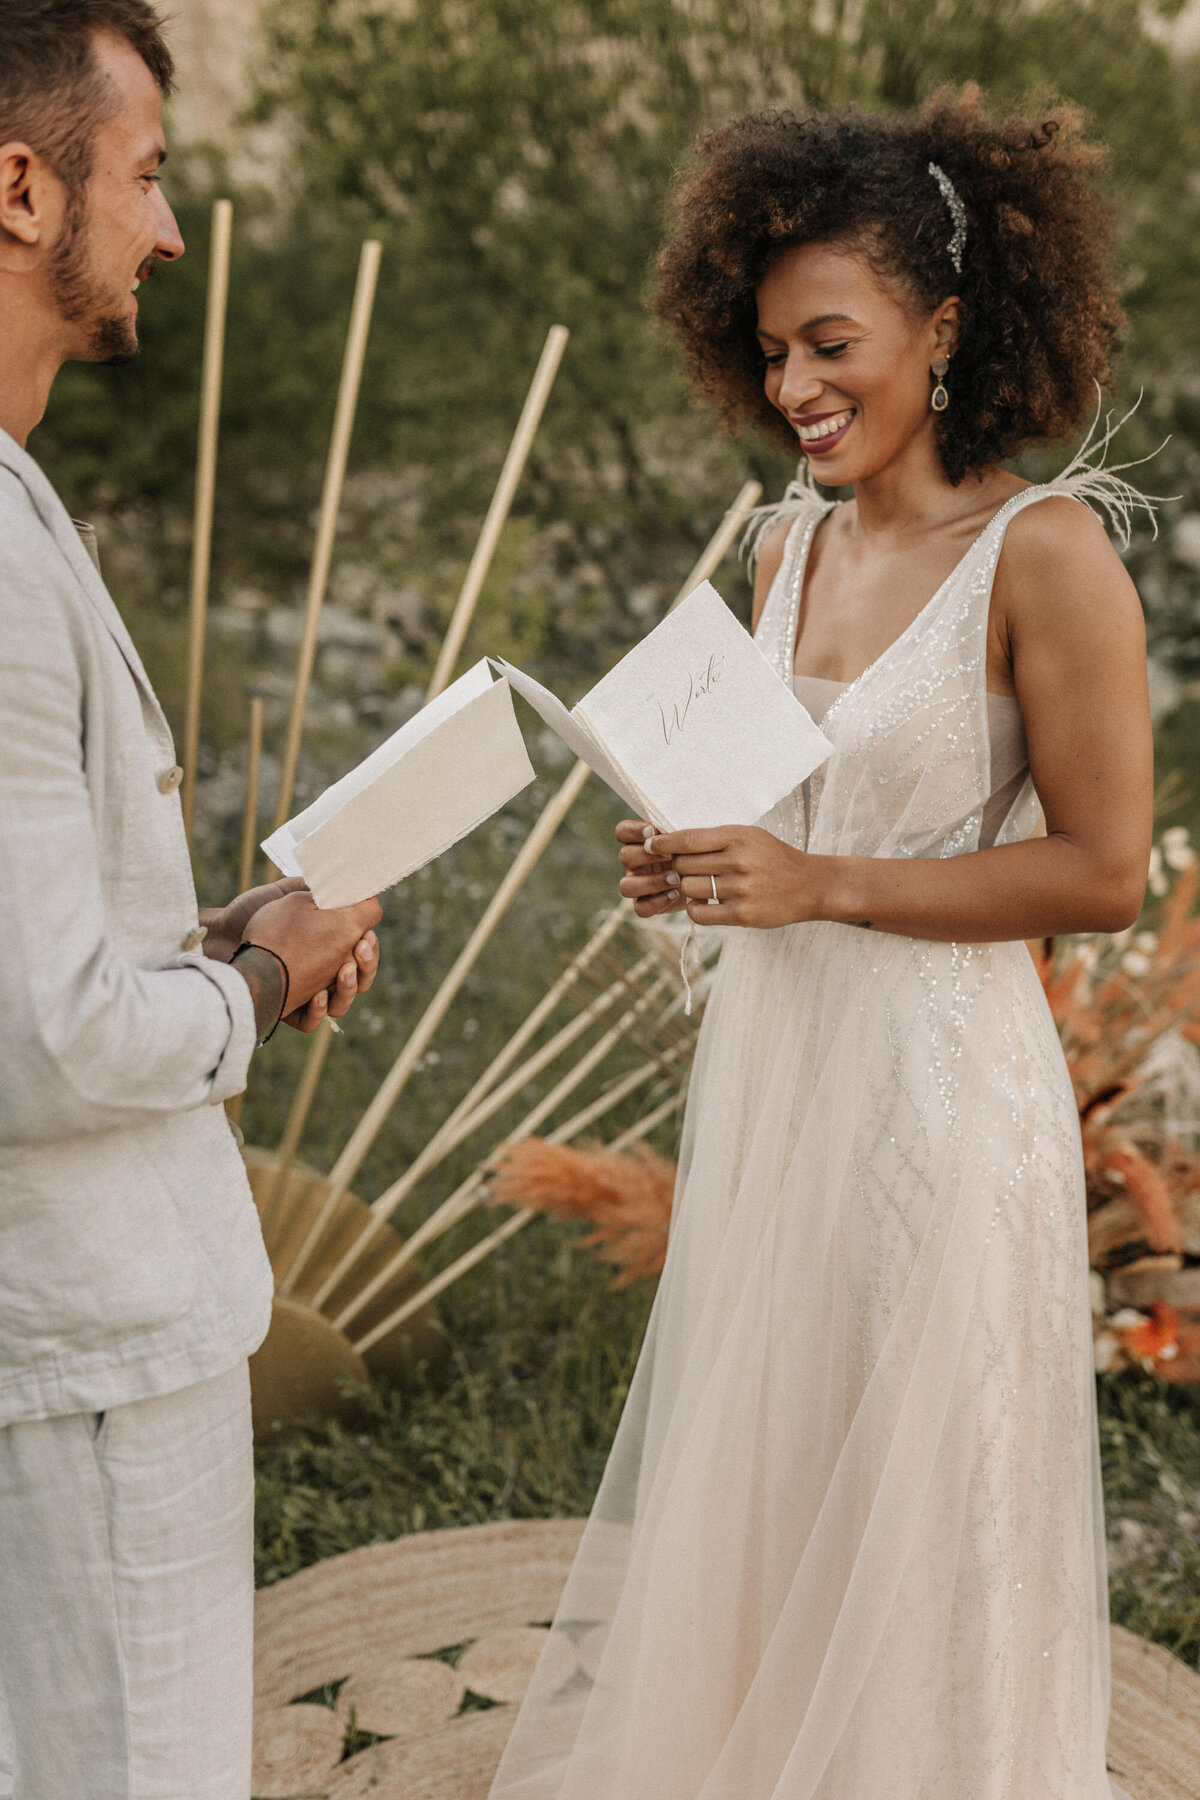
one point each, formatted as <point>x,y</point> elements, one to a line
<point>229,926</point>
<point>226,925</point>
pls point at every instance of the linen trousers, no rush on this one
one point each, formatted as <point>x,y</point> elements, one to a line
<point>127,1599</point>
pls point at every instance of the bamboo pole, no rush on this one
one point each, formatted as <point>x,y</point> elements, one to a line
<point>522,1076</point>
<point>552,815</point>
<point>369,1126</point>
<point>331,499</point>
<point>644,1126</point>
<point>469,1122</point>
<point>714,552</point>
<point>427,1158</point>
<point>206,478</point>
<point>233,1106</point>
<point>448,1276</point>
<point>297,1115</point>
<point>318,582</point>
<point>445,1137</point>
<point>455,1206</point>
<point>502,499</point>
<point>511,1225</point>
<point>253,775</point>
<point>489,537</point>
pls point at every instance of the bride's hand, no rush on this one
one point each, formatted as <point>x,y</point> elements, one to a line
<point>760,881</point>
<point>650,882</point>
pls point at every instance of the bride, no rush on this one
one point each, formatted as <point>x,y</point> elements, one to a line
<point>849,1543</point>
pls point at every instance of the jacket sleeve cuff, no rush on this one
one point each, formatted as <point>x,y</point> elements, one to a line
<point>229,1075</point>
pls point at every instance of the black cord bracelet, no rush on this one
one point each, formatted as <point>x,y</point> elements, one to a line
<point>247,945</point>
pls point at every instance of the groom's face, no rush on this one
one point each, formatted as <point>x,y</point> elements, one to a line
<point>118,226</point>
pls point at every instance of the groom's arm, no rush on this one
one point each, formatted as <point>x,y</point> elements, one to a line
<point>89,1041</point>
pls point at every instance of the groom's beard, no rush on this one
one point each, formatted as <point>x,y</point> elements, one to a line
<point>81,297</point>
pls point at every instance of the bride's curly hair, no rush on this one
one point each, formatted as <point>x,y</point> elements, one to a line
<point>1040,320</point>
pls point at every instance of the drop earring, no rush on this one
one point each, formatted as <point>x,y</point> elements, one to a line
<point>939,399</point>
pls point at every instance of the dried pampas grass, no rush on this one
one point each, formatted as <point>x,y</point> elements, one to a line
<point>625,1196</point>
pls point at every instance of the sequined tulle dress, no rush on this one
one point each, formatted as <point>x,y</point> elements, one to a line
<point>849,1543</point>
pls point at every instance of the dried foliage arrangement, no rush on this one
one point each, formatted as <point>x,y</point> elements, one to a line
<point>1127,1009</point>
<point>624,1195</point>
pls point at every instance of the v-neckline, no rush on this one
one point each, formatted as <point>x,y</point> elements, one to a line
<point>801,574</point>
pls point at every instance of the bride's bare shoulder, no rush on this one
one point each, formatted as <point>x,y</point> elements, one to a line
<point>1054,530</point>
<point>1057,561</point>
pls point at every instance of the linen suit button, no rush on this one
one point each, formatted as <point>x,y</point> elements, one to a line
<point>195,937</point>
<point>170,779</point>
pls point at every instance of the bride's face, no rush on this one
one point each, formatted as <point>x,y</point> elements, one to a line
<point>847,359</point>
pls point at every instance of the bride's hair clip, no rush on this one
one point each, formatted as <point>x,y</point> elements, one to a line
<point>958,212</point>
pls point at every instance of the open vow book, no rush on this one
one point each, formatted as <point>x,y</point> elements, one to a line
<point>692,728</point>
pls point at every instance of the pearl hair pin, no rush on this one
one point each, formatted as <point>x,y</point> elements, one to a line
<point>958,213</point>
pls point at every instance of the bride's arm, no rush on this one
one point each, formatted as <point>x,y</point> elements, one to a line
<point>1071,622</point>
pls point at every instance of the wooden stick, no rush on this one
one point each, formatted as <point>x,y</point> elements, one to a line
<point>206,478</point>
<point>455,1206</point>
<point>512,1224</point>
<point>297,1118</point>
<point>445,1137</point>
<point>497,513</point>
<point>713,553</point>
<point>645,1126</point>
<point>551,817</point>
<point>331,499</point>
<point>448,1276</point>
<point>470,1121</point>
<point>368,1127</point>
<point>612,1096</point>
<point>495,1238</point>
<point>233,1106</point>
<point>250,816</point>
<point>493,524</point>
<point>527,857</point>
<point>517,1042</point>
<point>548,1052</point>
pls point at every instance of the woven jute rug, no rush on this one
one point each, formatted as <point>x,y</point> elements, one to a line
<point>421,1649</point>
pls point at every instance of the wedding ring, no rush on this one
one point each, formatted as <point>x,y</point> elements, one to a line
<point>713,880</point>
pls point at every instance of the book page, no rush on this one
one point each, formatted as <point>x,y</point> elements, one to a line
<point>701,721</point>
<point>476,681</point>
<point>570,728</point>
<point>412,798</point>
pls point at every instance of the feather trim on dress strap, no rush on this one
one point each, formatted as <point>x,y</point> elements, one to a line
<point>798,497</point>
<point>1087,478</point>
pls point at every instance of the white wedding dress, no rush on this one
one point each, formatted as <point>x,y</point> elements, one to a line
<point>849,1543</point>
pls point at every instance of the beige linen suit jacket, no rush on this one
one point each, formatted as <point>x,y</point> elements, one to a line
<point>131,1261</point>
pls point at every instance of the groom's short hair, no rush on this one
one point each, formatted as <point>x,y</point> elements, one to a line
<point>53,94</point>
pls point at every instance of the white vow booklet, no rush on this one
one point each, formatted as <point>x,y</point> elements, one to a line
<point>443,773</point>
<point>693,727</point>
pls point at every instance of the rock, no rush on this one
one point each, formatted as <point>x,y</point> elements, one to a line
<point>1185,540</point>
<point>284,625</point>
<point>1141,1285</point>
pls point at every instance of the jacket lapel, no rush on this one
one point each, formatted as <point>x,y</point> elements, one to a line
<point>57,521</point>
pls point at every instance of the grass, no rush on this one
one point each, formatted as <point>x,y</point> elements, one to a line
<point>517,1424</point>
<point>1150,1455</point>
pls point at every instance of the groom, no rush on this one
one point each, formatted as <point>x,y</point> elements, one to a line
<point>133,1280</point>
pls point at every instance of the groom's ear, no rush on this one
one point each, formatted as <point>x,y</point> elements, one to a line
<point>32,206</point>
